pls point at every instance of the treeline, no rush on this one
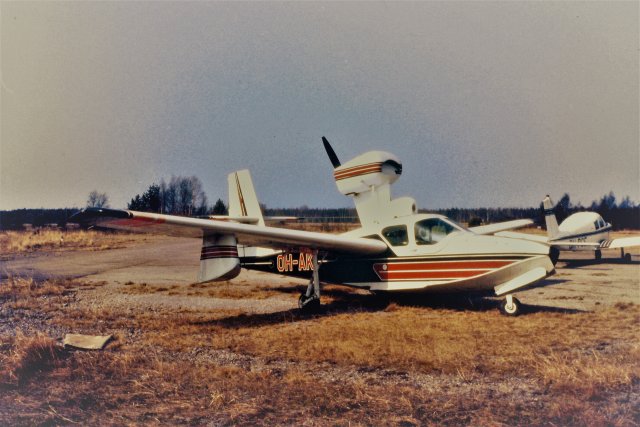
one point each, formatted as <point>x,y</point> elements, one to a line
<point>182,195</point>
<point>179,198</point>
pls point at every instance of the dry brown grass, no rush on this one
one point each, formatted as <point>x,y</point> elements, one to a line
<point>228,290</point>
<point>555,347</point>
<point>401,365</point>
<point>27,293</point>
<point>20,242</point>
<point>25,357</point>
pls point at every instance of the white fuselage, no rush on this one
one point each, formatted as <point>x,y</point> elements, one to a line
<point>582,227</point>
<point>433,253</point>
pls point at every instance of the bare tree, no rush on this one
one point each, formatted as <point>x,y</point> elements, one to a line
<point>97,200</point>
<point>182,196</point>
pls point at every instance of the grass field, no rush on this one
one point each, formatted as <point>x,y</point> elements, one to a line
<point>357,362</point>
<point>367,365</point>
<point>53,239</point>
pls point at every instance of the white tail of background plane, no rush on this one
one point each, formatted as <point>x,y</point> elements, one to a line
<point>550,218</point>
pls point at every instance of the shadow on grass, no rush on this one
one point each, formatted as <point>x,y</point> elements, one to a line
<point>578,263</point>
<point>345,300</point>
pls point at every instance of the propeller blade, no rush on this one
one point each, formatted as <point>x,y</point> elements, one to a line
<point>332,154</point>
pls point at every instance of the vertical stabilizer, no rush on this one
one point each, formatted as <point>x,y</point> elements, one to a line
<point>550,218</point>
<point>242,197</point>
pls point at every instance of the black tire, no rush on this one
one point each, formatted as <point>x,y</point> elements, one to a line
<point>598,254</point>
<point>627,257</point>
<point>514,310</point>
<point>554,255</point>
<point>308,305</point>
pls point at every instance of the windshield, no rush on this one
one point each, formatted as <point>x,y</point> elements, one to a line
<point>433,230</point>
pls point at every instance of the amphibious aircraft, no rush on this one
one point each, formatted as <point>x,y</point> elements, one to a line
<point>581,231</point>
<point>396,249</point>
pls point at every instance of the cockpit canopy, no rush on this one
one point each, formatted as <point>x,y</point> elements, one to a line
<point>428,231</point>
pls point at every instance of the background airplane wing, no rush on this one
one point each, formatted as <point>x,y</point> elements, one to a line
<point>246,234</point>
<point>500,226</point>
<point>623,242</point>
<point>525,236</point>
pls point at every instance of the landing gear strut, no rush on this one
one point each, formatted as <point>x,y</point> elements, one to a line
<point>309,300</point>
<point>510,306</point>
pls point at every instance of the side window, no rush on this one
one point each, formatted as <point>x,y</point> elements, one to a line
<point>396,235</point>
<point>431,231</point>
<point>596,224</point>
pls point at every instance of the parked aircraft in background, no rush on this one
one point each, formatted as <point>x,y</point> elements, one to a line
<point>396,249</point>
<point>581,231</point>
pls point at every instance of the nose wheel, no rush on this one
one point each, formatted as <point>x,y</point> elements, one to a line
<point>510,306</point>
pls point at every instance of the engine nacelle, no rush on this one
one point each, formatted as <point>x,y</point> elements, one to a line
<point>371,169</point>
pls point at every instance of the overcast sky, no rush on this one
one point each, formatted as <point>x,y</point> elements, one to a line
<point>486,104</point>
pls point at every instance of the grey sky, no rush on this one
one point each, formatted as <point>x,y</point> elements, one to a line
<point>486,104</point>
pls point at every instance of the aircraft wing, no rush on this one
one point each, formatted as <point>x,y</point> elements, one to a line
<point>500,226</point>
<point>246,234</point>
<point>623,242</point>
<point>526,236</point>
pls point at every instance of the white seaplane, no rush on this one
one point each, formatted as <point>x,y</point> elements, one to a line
<point>581,231</point>
<point>396,249</point>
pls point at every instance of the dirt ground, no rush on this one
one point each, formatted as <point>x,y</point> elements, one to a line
<point>220,328</point>
<point>580,282</point>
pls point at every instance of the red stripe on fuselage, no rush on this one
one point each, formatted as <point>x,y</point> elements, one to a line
<point>444,265</point>
<point>437,269</point>
<point>426,275</point>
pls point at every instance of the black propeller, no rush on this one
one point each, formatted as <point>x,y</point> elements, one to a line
<point>332,154</point>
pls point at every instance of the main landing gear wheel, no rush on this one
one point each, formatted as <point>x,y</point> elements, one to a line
<point>308,304</point>
<point>554,254</point>
<point>511,306</point>
<point>625,257</point>
<point>598,254</point>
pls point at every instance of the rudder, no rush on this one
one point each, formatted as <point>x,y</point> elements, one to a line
<point>550,218</point>
<point>243,201</point>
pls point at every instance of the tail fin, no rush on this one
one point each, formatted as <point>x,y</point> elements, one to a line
<point>242,197</point>
<point>550,218</point>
